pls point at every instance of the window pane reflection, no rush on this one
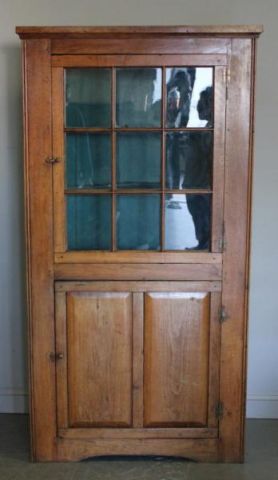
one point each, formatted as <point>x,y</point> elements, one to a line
<point>188,159</point>
<point>138,160</point>
<point>138,93</point>
<point>189,97</point>
<point>89,222</point>
<point>187,222</point>
<point>138,222</point>
<point>88,97</point>
<point>88,160</point>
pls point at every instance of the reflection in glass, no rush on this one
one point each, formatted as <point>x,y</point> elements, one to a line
<point>189,97</point>
<point>138,160</point>
<point>138,222</point>
<point>88,160</point>
<point>188,159</point>
<point>88,97</point>
<point>187,222</point>
<point>138,92</point>
<point>89,222</point>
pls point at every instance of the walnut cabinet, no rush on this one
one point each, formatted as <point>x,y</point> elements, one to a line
<point>138,164</point>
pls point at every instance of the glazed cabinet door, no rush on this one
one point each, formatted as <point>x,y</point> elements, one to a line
<point>139,158</point>
<point>137,356</point>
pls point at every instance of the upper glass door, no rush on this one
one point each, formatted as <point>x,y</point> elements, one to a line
<point>139,171</point>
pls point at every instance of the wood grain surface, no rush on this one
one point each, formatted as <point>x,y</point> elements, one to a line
<point>99,358</point>
<point>139,353</point>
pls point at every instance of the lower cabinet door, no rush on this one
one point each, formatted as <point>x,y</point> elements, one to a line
<point>94,332</point>
<point>137,359</point>
<point>176,359</point>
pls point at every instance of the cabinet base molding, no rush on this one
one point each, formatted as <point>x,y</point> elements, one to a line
<point>137,433</point>
<point>205,450</point>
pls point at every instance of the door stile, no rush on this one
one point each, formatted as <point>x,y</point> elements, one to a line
<point>60,241</point>
<point>61,363</point>
<point>138,359</point>
<point>214,358</point>
<point>220,79</point>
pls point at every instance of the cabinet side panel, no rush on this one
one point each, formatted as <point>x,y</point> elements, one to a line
<point>176,359</point>
<point>99,353</point>
<point>236,213</point>
<point>39,239</point>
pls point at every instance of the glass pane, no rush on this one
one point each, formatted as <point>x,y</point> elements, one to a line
<point>188,159</point>
<point>189,97</point>
<point>88,160</point>
<point>89,222</point>
<point>138,160</point>
<point>187,222</point>
<point>138,222</point>
<point>88,97</point>
<point>138,97</point>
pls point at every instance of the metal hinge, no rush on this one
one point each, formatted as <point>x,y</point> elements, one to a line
<point>52,160</point>
<point>222,239</point>
<point>56,356</point>
<point>223,314</point>
<point>227,79</point>
<point>221,243</point>
<point>219,410</point>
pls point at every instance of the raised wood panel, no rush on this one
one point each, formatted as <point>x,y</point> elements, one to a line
<point>176,351</point>
<point>99,355</point>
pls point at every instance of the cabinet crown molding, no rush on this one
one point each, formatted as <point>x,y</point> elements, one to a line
<point>93,31</point>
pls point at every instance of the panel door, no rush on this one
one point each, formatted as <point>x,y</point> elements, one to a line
<point>94,334</point>
<point>176,354</point>
<point>137,356</point>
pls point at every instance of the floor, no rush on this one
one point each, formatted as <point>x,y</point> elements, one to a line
<point>261,460</point>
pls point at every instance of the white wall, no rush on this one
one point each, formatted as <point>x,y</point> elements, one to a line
<point>263,331</point>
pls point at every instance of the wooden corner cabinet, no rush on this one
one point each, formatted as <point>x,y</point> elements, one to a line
<point>138,165</point>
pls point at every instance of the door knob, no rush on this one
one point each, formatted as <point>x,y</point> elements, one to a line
<point>52,160</point>
<point>56,356</point>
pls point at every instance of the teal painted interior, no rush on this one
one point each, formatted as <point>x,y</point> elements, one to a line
<point>139,160</point>
<point>138,222</point>
<point>88,97</point>
<point>88,160</point>
<point>89,222</point>
<point>139,93</point>
<point>138,157</point>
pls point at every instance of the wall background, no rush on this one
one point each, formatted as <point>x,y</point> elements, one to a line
<point>263,318</point>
